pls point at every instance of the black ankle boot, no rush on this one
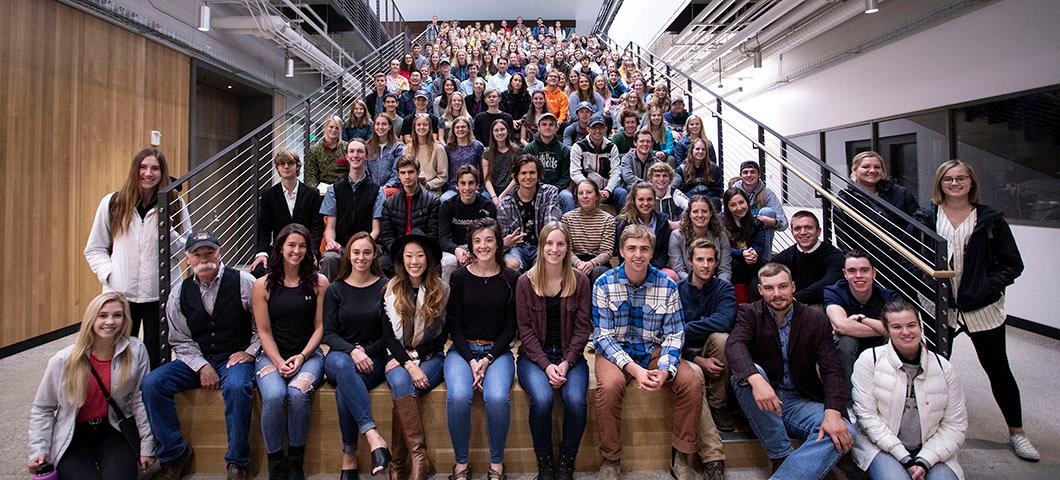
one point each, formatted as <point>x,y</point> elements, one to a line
<point>349,475</point>
<point>565,467</point>
<point>545,469</point>
<point>295,461</point>
<point>278,466</point>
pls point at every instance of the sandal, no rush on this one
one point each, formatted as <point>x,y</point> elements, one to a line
<point>464,474</point>
<point>495,475</point>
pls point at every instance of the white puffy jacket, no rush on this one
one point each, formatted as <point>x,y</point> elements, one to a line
<point>129,264</point>
<point>879,401</point>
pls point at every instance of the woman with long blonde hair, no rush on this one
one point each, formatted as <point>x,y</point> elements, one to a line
<point>71,423</point>
<point>555,320</point>
<point>415,333</point>
<point>122,248</point>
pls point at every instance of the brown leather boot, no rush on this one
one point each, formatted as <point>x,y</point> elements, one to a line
<point>415,439</point>
<point>397,448</point>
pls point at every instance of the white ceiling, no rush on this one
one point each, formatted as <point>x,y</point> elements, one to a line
<point>582,11</point>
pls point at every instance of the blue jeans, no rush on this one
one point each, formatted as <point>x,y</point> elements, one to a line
<point>496,391</point>
<point>618,197</point>
<point>540,392</point>
<point>566,200</point>
<point>525,254</point>
<point>770,232</point>
<point>278,392</point>
<point>351,395</point>
<point>401,382</point>
<point>886,467</point>
<point>801,418</point>
<point>237,390</point>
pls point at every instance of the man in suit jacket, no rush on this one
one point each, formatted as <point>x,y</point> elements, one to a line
<point>287,202</point>
<point>788,380</point>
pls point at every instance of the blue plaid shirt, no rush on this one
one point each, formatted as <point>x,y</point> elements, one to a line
<point>631,322</point>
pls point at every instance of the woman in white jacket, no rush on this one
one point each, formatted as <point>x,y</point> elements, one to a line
<point>71,424</point>
<point>122,248</point>
<point>909,407</point>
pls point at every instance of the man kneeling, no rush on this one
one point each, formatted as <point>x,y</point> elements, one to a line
<point>638,333</point>
<point>775,351</point>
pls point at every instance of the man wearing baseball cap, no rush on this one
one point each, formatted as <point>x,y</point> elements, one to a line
<point>596,158</point>
<point>422,101</point>
<point>554,157</point>
<point>765,204</point>
<point>579,129</point>
<point>211,330</point>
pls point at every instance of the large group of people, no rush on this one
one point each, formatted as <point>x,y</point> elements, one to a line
<point>478,224</point>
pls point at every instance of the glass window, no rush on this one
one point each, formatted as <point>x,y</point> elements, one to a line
<point>912,147</point>
<point>1014,146</point>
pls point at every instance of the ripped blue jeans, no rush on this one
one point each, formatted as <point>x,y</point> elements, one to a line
<point>285,401</point>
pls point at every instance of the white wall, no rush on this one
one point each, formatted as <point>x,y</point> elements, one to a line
<point>640,21</point>
<point>1009,46</point>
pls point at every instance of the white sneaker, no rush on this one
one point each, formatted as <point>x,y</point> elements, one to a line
<point>1023,447</point>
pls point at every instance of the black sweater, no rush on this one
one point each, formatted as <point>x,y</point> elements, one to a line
<point>812,271</point>
<point>455,217</point>
<point>354,316</point>
<point>482,309</point>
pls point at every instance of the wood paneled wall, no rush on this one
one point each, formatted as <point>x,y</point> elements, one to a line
<point>79,98</point>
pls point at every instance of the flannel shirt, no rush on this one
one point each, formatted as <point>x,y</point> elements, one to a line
<point>631,322</point>
<point>546,204</point>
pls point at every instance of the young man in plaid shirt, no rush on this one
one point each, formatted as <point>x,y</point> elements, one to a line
<point>638,333</point>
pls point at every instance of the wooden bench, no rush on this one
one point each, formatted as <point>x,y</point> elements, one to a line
<point>645,432</point>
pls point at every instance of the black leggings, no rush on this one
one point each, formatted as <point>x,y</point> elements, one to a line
<point>97,452</point>
<point>993,356</point>
<point>147,314</point>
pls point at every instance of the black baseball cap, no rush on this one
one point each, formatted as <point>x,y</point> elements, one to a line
<point>201,238</point>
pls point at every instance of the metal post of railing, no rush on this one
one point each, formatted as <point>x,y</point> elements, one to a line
<point>308,128</point>
<point>640,63</point>
<point>163,276</point>
<point>826,183</point>
<point>669,86</point>
<point>255,152</point>
<point>721,146</point>
<point>784,172</point>
<point>761,151</point>
<point>688,95</point>
<point>942,300</point>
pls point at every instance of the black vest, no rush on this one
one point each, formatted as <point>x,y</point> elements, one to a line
<point>354,207</point>
<point>228,330</point>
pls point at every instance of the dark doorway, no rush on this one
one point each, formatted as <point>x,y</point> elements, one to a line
<point>899,154</point>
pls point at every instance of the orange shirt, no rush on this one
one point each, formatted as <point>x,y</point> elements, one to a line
<point>557,103</point>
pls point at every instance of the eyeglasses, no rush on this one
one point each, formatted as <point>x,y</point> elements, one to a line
<point>957,179</point>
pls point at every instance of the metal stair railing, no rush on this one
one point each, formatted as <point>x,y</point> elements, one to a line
<point>909,257</point>
<point>221,194</point>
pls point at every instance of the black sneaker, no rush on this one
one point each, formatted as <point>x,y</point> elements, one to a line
<point>179,468</point>
<point>722,420</point>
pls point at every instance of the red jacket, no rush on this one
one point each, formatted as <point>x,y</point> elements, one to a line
<point>576,321</point>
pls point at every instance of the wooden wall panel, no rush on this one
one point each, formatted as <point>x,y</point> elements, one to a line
<point>80,97</point>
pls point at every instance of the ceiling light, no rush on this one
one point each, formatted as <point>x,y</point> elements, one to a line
<point>204,18</point>
<point>290,67</point>
<point>872,6</point>
<point>756,58</point>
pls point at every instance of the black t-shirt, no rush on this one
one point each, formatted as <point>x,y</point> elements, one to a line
<point>528,215</point>
<point>553,330</point>
<point>406,123</point>
<point>484,121</point>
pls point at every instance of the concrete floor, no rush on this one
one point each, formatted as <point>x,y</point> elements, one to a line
<point>985,454</point>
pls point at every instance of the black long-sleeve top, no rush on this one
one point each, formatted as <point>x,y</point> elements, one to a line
<point>455,217</point>
<point>353,316</point>
<point>482,309</point>
<point>813,271</point>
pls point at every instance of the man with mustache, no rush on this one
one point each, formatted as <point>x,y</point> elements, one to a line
<point>212,333</point>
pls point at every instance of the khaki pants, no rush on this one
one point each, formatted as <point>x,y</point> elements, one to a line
<point>709,446</point>
<point>611,383</point>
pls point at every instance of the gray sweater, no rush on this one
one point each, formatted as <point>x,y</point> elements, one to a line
<point>52,416</point>
<point>679,256</point>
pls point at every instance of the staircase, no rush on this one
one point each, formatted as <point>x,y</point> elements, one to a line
<point>909,258</point>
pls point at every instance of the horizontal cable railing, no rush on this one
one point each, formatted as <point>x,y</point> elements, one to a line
<point>909,257</point>
<point>378,20</point>
<point>221,194</point>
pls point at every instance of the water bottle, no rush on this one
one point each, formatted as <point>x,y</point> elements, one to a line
<point>45,472</point>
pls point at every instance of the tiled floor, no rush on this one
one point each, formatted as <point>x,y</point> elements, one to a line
<point>1035,360</point>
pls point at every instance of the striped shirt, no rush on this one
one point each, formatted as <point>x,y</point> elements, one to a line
<point>988,317</point>
<point>591,234</point>
<point>631,322</point>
